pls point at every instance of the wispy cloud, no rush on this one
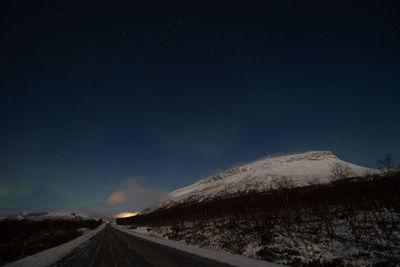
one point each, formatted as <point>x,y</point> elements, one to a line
<point>131,192</point>
<point>118,197</point>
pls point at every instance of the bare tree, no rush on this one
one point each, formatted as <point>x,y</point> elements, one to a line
<point>284,184</point>
<point>340,171</point>
<point>386,164</point>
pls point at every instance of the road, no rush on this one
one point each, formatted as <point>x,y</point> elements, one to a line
<point>112,247</point>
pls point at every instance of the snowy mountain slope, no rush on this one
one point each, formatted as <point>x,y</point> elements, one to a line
<point>51,215</point>
<point>301,169</point>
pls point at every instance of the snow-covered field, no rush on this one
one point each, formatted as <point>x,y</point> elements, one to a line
<point>52,255</point>
<point>300,169</point>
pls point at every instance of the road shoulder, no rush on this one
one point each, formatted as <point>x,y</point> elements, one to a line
<point>219,256</point>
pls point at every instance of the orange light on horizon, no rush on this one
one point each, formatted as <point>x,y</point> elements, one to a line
<point>126,214</point>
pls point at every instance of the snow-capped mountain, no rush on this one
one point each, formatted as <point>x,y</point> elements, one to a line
<point>301,169</point>
<point>51,215</point>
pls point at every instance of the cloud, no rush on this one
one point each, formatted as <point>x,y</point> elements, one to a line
<point>118,197</point>
<point>130,192</point>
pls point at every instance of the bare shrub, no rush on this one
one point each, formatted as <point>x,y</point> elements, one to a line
<point>340,171</point>
<point>386,164</point>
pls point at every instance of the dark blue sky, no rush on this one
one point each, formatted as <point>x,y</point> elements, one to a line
<point>95,93</point>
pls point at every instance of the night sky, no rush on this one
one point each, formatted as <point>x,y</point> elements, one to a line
<point>106,105</point>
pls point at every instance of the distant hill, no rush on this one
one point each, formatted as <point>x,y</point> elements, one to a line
<point>50,215</point>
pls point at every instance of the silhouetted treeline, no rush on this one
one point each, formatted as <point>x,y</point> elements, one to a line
<point>20,238</point>
<point>370,192</point>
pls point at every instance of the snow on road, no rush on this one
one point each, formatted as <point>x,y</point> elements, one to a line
<point>50,256</point>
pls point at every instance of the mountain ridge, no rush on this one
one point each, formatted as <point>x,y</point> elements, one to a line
<point>301,169</point>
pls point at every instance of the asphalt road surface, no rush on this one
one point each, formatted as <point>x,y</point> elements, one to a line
<point>112,247</point>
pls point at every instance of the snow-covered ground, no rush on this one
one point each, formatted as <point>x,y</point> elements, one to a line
<point>300,169</point>
<point>309,240</point>
<point>224,257</point>
<point>52,255</point>
<point>332,240</point>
